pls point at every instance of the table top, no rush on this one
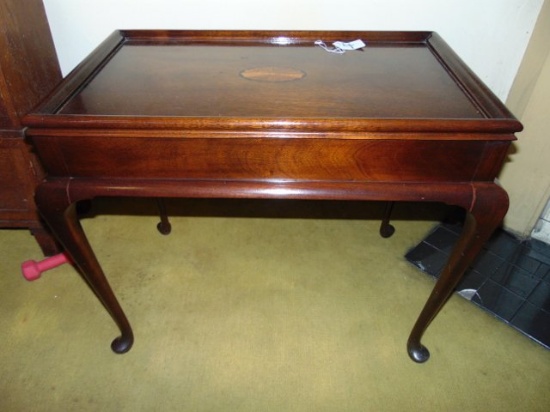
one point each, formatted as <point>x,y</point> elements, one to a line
<point>249,80</point>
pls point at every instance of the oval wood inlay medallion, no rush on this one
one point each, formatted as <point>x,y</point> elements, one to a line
<point>273,74</point>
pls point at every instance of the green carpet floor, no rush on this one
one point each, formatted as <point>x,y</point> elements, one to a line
<point>253,314</point>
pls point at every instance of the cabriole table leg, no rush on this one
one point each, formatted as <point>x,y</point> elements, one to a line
<point>489,206</point>
<point>164,227</point>
<point>386,228</point>
<point>59,212</point>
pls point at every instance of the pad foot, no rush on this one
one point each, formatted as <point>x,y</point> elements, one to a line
<point>122,344</point>
<point>418,352</point>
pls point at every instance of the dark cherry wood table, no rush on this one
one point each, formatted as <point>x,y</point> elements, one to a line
<point>219,114</point>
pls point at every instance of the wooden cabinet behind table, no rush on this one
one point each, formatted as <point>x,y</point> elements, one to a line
<point>29,70</point>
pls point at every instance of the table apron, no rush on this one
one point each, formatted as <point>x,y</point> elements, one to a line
<point>272,158</point>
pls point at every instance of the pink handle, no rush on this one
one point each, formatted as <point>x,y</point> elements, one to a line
<point>32,269</point>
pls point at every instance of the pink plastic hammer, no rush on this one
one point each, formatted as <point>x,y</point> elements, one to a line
<point>32,269</point>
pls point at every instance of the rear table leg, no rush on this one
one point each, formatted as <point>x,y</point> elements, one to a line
<point>164,226</point>
<point>386,229</point>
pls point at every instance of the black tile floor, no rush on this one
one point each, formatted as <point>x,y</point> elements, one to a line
<point>510,278</point>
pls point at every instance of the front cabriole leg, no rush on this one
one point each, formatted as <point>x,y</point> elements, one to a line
<point>59,212</point>
<point>488,207</point>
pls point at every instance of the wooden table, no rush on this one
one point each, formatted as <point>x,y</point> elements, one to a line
<point>240,114</point>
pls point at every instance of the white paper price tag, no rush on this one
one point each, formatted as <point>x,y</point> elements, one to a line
<point>352,45</point>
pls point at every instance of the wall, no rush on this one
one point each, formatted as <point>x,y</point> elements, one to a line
<point>526,176</point>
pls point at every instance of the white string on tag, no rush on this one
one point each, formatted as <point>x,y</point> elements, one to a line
<point>341,47</point>
<point>322,44</point>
